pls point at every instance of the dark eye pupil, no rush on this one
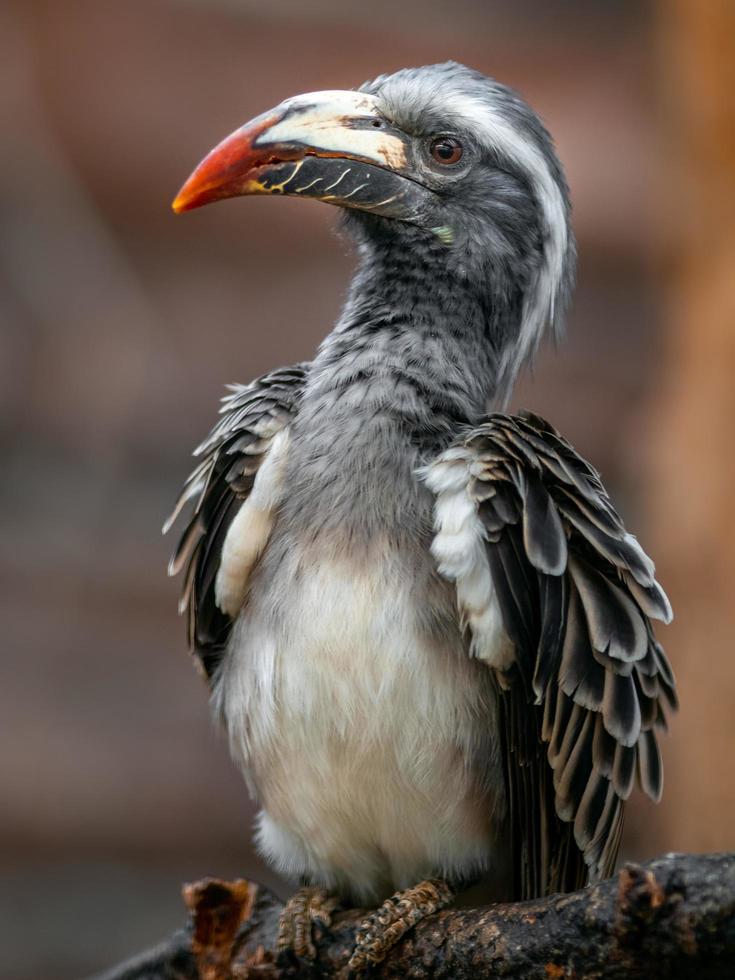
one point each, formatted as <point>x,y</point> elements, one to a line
<point>446,149</point>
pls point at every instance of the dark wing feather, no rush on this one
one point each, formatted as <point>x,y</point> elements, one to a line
<point>585,694</point>
<point>251,415</point>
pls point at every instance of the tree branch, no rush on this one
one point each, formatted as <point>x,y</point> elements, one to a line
<point>671,917</point>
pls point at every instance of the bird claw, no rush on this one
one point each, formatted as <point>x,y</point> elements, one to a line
<point>306,907</point>
<point>382,929</point>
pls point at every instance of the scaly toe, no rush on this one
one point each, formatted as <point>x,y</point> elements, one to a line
<point>296,923</point>
<point>382,929</point>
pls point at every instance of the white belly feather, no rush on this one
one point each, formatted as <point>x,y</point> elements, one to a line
<point>360,739</point>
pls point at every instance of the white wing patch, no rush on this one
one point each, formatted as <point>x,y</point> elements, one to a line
<point>460,550</point>
<point>250,529</point>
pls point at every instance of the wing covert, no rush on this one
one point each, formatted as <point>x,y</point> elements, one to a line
<point>558,598</point>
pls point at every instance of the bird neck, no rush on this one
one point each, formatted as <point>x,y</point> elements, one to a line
<point>409,366</point>
<point>419,333</point>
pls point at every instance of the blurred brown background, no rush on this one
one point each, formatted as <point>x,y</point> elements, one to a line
<point>121,323</point>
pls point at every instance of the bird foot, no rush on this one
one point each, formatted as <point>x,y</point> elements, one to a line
<point>295,925</point>
<point>381,930</point>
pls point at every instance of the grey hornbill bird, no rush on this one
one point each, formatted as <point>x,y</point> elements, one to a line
<point>426,630</point>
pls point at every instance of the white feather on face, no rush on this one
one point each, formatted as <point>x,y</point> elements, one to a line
<point>540,300</point>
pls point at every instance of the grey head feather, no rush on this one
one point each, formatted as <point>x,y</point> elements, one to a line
<point>509,212</point>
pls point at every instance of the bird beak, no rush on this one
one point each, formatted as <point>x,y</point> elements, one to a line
<point>332,146</point>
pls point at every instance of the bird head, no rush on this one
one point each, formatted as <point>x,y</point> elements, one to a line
<point>439,155</point>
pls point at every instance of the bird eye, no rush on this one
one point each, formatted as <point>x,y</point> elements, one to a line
<point>446,150</point>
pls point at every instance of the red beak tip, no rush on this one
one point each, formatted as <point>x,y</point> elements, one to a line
<point>182,202</point>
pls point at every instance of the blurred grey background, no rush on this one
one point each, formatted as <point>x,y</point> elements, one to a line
<point>120,324</point>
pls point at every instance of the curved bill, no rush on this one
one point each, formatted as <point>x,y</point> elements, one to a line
<point>332,146</point>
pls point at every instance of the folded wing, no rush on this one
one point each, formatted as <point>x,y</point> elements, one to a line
<point>232,494</point>
<point>558,598</point>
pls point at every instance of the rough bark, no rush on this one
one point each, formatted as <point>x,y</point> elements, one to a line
<point>672,917</point>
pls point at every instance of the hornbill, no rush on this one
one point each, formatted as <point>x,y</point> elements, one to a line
<point>426,630</point>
